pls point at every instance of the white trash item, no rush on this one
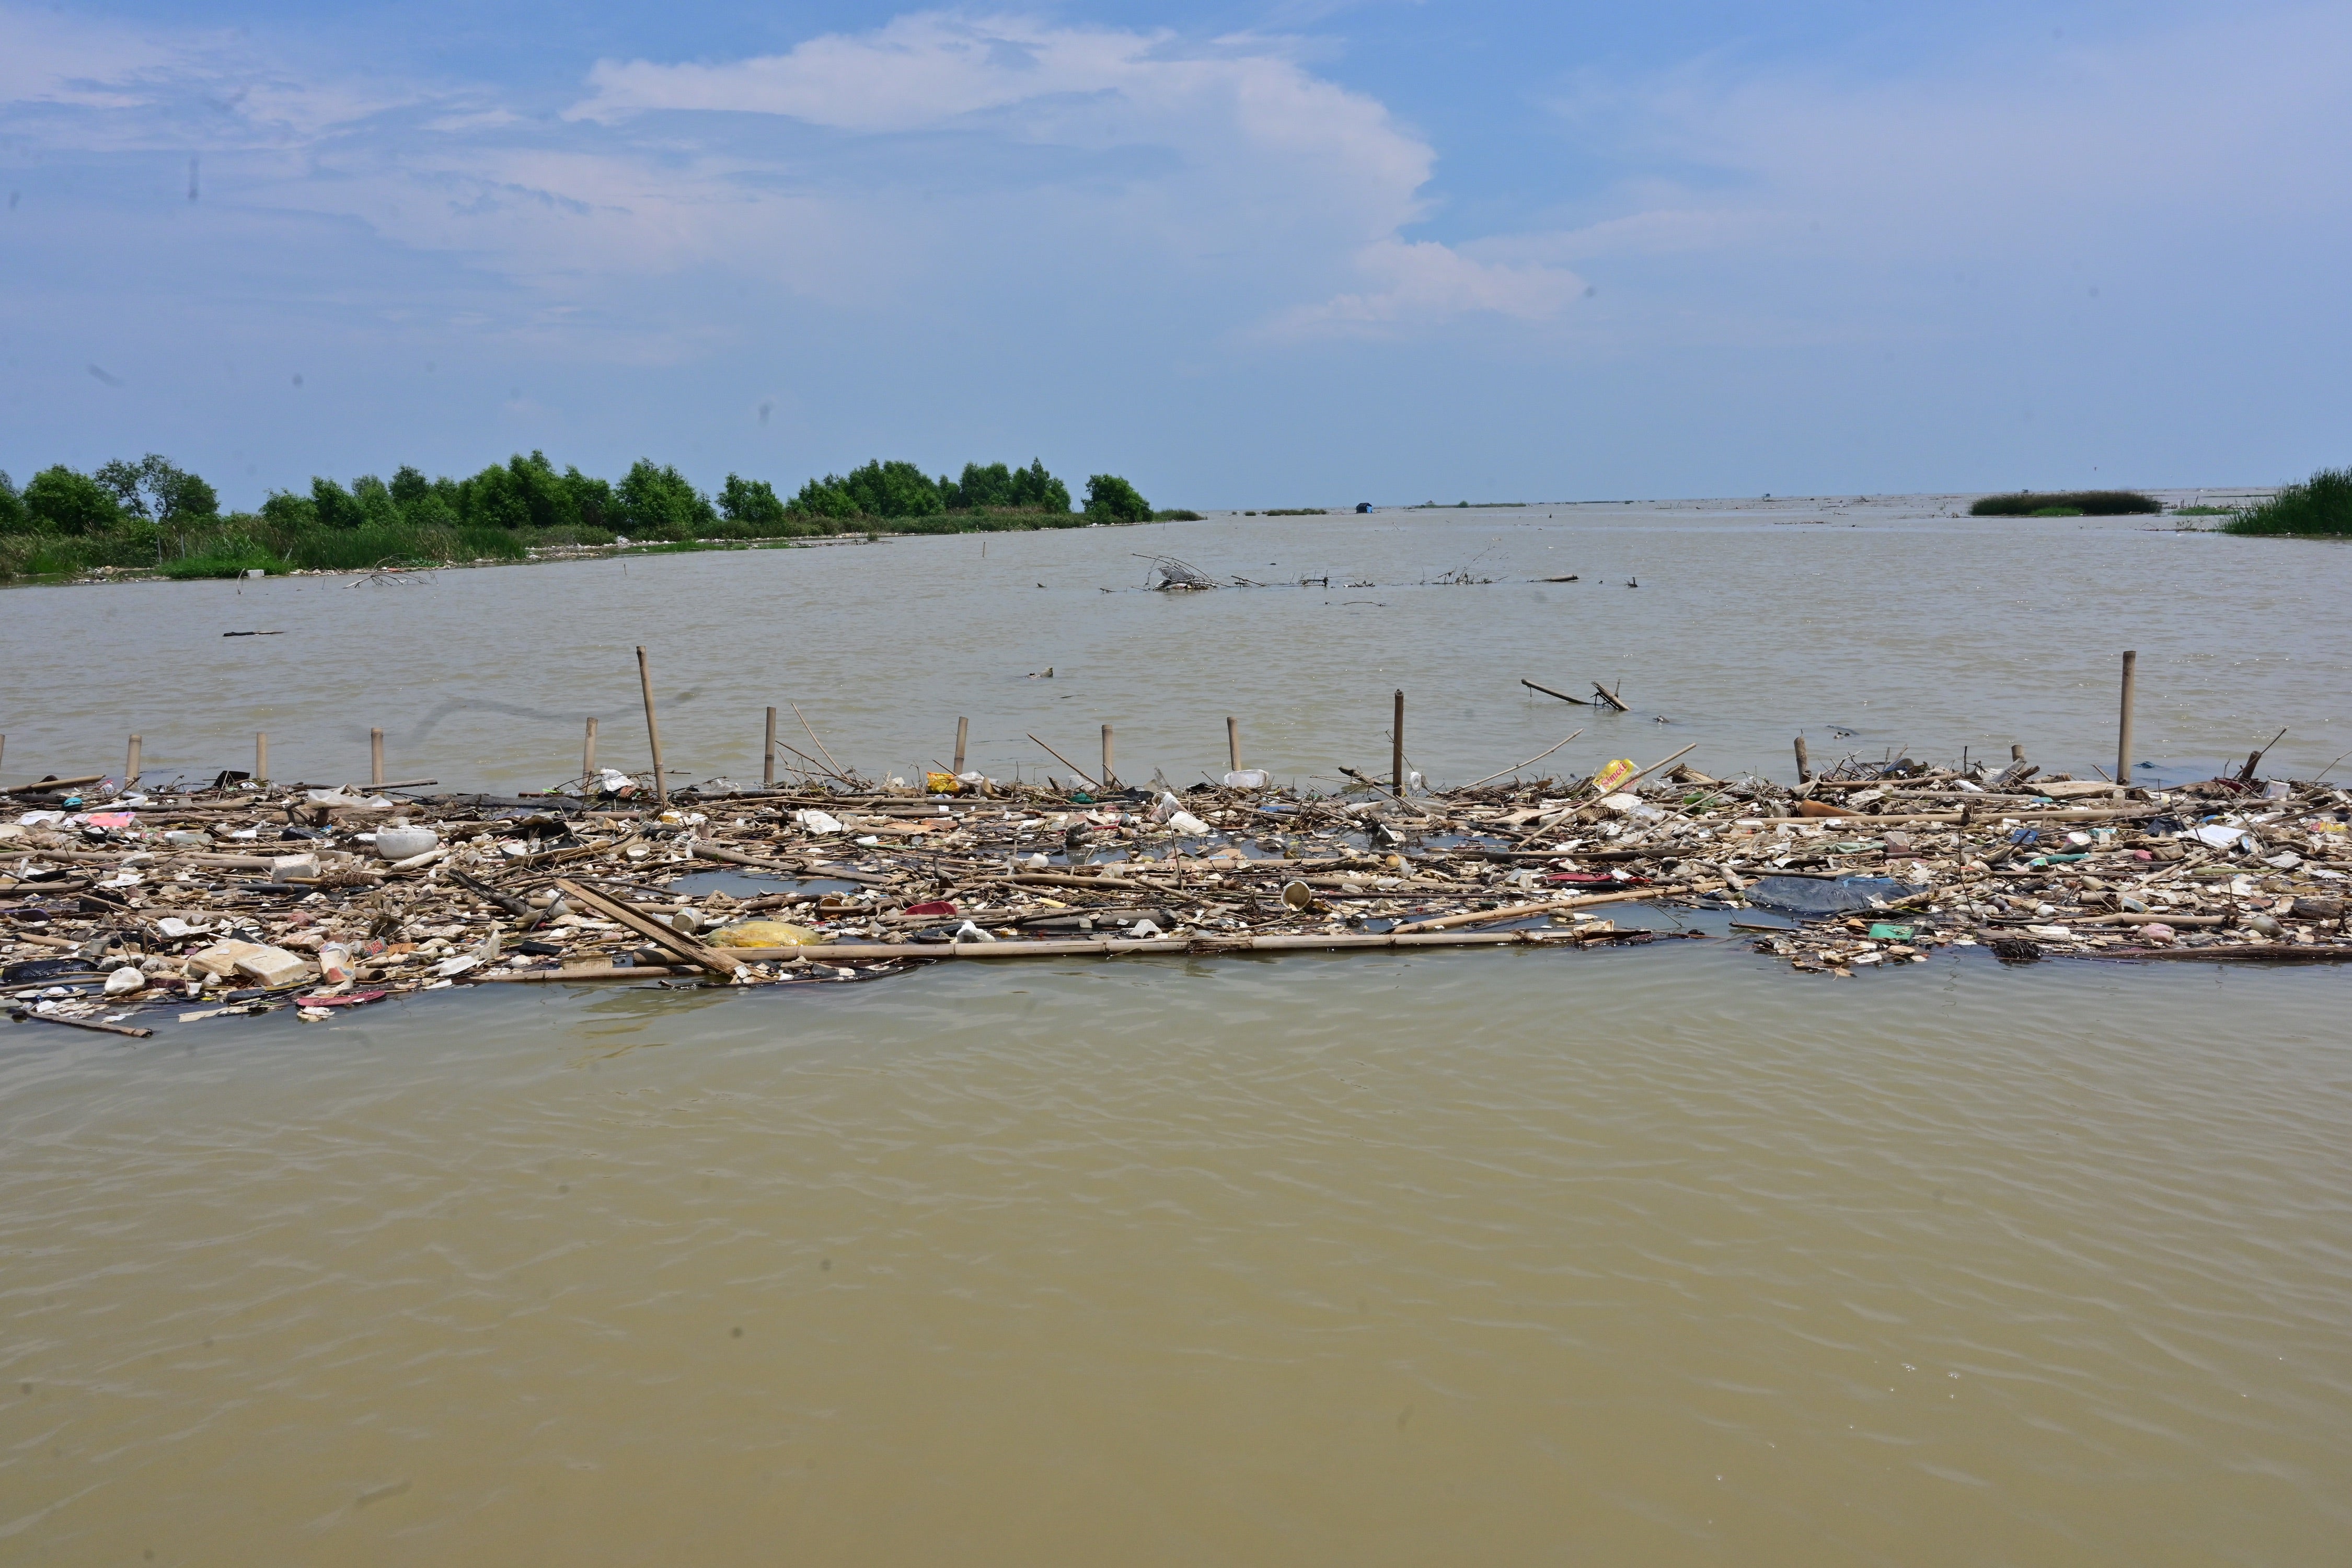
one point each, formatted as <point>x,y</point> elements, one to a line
<point>124,981</point>
<point>1191,826</point>
<point>1248,778</point>
<point>402,843</point>
<point>817,821</point>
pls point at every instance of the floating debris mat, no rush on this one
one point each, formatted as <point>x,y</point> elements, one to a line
<point>120,908</point>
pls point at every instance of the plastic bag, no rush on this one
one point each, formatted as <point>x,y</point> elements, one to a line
<point>765,933</point>
<point>1812,896</point>
<point>1616,774</point>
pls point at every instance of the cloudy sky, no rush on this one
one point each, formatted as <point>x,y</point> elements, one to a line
<point>1247,254</point>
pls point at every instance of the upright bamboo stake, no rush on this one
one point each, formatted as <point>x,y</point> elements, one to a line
<point>963,727</point>
<point>1107,777</point>
<point>1396,746</point>
<point>768,770</point>
<point>131,765</point>
<point>2016,753</point>
<point>588,752</point>
<point>1805,762</point>
<point>261,756</point>
<point>2124,724</point>
<point>375,759</point>
<point>653,730</point>
<point>1234,742</point>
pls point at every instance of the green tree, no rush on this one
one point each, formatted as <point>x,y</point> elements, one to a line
<point>894,489</point>
<point>376,506</point>
<point>333,506</point>
<point>1035,490</point>
<point>751,504</point>
<point>827,499</point>
<point>1110,498</point>
<point>155,487</point>
<point>12,506</point>
<point>409,486</point>
<point>658,503</point>
<point>59,500</point>
<point>287,512</point>
<point>591,499</point>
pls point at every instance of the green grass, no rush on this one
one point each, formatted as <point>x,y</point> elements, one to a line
<point>2319,508</point>
<point>1296,512</point>
<point>2065,503</point>
<point>2203,511</point>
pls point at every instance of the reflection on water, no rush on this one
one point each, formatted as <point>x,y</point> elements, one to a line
<point>1659,1255</point>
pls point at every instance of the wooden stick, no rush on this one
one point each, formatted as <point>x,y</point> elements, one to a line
<point>1548,691</point>
<point>375,759</point>
<point>588,752</point>
<point>1539,756</point>
<point>1396,746</point>
<point>653,728</point>
<point>1610,697</point>
<point>131,765</point>
<point>1202,944</point>
<point>653,930</point>
<point>1546,906</point>
<point>1063,761</point>
<point>1233,743</point>
<point>261,756</point>
<point>1109,778</point>
<point>819,744</point>
<point>2124,724</point>
<point>43,787</point>
<point>585,972</point>
<point>1805,762</point>
<point>26,1015</point>
<point>768,768</point>
<point>963,728</point>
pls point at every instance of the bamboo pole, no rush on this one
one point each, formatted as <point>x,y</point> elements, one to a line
<point>1233,744</point>
<point>2123,723</point>
<point>1396,746</point>
<point>653,728</point>
<point>588,752</point>
<point>1805,762</point>
<point>131,765</point>
<point>1107,777</point>
<point>375,759</point>
<point>963,729</point>
<point>1065,762</point>
<point>768,768</point>
<point>261,756</point>
<point>4,748</point>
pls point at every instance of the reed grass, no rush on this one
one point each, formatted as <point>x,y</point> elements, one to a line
<point>2065,503</point>
<point>2319,508</point>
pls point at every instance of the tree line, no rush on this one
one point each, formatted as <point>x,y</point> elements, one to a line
<point>153,513</point>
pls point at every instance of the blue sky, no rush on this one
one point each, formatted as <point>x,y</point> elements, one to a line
<point>1246,255</point>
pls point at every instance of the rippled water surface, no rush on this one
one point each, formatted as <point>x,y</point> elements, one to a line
<point>1662,1255</point>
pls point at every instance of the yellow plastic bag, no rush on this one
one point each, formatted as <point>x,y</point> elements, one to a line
<point>765,933</point>
<point>1616,774</point>
<point>942,783</point>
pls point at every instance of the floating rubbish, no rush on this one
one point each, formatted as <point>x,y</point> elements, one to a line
<point>241,898</point>
<point>1808,895</point>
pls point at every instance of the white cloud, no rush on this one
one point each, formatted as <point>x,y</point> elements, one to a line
<point>1419,283</point>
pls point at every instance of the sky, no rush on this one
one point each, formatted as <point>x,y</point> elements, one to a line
<point>1244,255</point>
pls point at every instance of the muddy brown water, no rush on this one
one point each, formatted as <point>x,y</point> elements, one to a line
<point>1662,1255</point>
